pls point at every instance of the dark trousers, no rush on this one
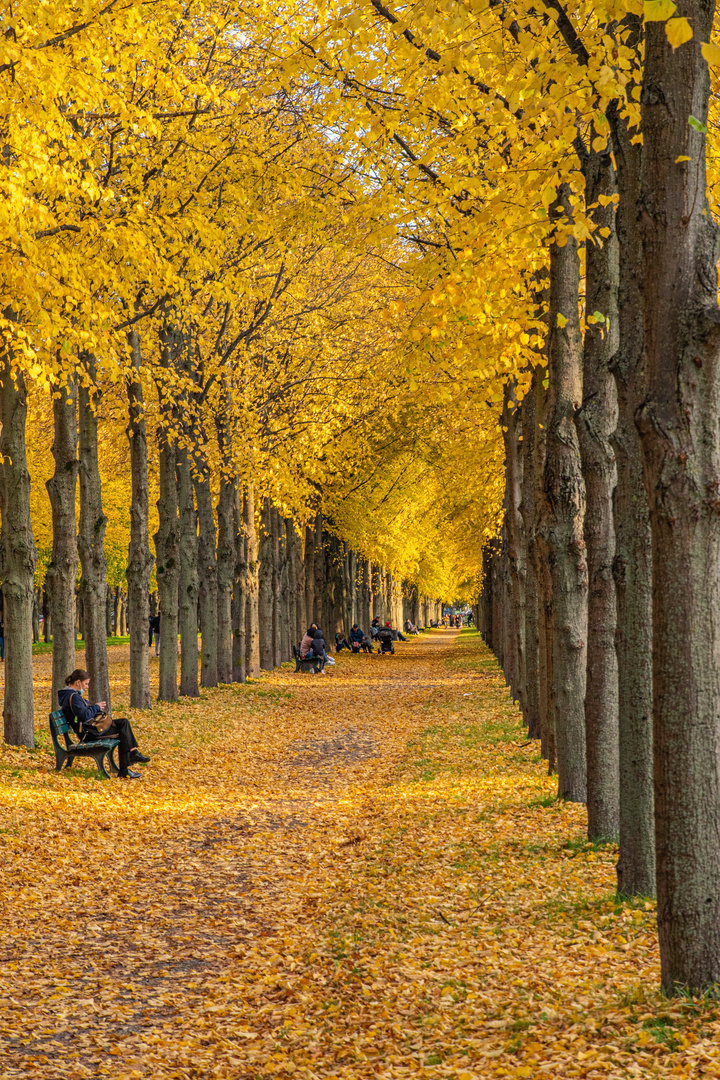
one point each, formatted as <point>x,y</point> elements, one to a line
<point>119,729</point>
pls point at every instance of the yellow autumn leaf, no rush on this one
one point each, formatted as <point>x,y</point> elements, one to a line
<point>678,32</point>
<point>561,320</point>
<point>658,10</point>
<point>711,52</point>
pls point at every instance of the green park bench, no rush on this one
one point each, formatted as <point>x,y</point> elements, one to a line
<point>98,749</point>
<point>307,663</point>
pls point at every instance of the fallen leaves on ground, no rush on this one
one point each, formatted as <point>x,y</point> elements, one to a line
<point>365,875</point>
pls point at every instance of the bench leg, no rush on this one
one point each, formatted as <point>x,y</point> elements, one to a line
<point>60,759</point>
<point>99,756</point>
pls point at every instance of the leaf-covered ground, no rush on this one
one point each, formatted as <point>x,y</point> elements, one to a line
<point>364,875</point>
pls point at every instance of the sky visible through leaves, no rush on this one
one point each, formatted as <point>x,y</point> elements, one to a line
<point>364,875</point>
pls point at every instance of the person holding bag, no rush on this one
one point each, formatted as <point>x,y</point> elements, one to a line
<point>90,722</point>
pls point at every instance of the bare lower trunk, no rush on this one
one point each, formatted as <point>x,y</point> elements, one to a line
<point>632,567</point>
<point>188,586</point>
<point>252,634</point>
<point>531,697</point>
<point>309,561</point>
<point>679,424</point>
<point>265,588</point>
<point>167,547</point>
<point>285,605</point>
<point>277,573</point>
<point>140,560</point>
<point>207,571</point>
<point>226,563</point>
<point>596,422</point>
<point>239,596</point>
<point>511,424</point>
<point>319,589</point>
<point>17,560</point>
<point>62,571</point>
<point>91,537</point>
<point>565,509</point>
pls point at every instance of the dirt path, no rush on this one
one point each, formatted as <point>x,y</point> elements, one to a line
<point>362,875</point>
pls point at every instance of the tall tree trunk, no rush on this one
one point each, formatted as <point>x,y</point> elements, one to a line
<point>140,560</point>
<point>18,556</point>
<point>91,537</point>
<point>319,590</point>
<point>632,567</point>
<point>207,570</point>
<point>62,572</point>
<point>239,595</point>
<point>226,555</point>
<point>167,543</point>
<point>252,619</point>
<point>565,504</point>
<point>679,425</point>
<point>188,587</point>
<point>531,697</point>
<point>277,572</point>
<point>265,588</point>
<point>309,576</point>
<point>511,423</point>
<point>47,623</point>
<point>596,422</point>
<point>285,526</point>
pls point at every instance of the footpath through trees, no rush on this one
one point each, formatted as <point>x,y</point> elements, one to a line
<point>366,875</point>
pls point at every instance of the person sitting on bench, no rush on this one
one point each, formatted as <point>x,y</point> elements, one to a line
<point>386,639</point>
<point>89,722</point>
<point>306,643</point>
<point>410,628</point>
<point>341,643</point>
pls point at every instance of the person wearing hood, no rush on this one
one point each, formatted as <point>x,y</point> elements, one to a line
<point>306,643</point>
<point>89,722</point>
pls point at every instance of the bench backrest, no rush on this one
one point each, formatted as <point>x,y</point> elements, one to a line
<point>58,722</point>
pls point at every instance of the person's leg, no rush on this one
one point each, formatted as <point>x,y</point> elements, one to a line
<point>157,644</point>
<point>120,729</point>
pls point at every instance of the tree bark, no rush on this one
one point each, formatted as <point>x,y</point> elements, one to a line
<point>140,560</point>
<point>309,561</point>
<point>632,566</point>
<point>319,567</point>
<point>515,546</point>
<point>167,542</point>
<point>62,571</point>
<point>265,588</point>
<point>239,595</point>
<point>596,422</point>
<point>18,556</point>
<point>565,503</point>
<point>532,600</point>
<point>679,424</point>
<point>252,634</point>
<point>207,569</point>
<point>276,541</point>
<point>188,587</point>
<point>226,554</point>
<point>91,537</point>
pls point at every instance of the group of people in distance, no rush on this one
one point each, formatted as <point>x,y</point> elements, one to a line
<point>381,634</point>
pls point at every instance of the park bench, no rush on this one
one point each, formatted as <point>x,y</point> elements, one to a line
<point>98,749</point>
<point>307,663</point>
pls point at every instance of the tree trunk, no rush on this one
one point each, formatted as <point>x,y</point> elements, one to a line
<point>47,624</point>
<point>91,537</point>
<point>319,565</point>
<point>188,588</point>
<point>239,595</point>
<point>309,561</point>
<point>207,570</point>
<point>140,560</point>
<point>511,422</point>
<point>252,633</point>
<point>285,525</point>
<point>632,567</point>
<point>62,572</point>
<point>596,422</point>
<point>226,558</point>
<point>679,425</point>
<point>265,588</point>
<point>109,627</point>
<point>531,697</point>
<point>565,503</point>
<point>18,556</point>
<point>167,551</point>
<point>277,574</point>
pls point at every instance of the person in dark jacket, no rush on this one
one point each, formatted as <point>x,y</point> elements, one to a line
<point>155,629</point>
<point>318,649</point>
<point>341,643</point>
<point>89,722</point>
<point>356,637</point>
